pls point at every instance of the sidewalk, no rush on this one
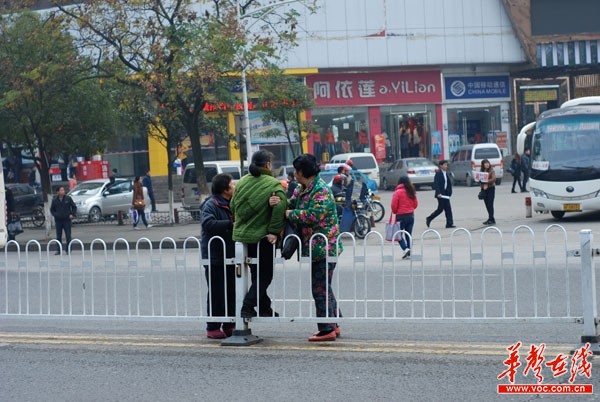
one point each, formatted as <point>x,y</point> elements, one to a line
<point>109,232</point>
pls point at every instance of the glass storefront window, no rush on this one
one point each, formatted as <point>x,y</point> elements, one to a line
<point>339,129</point>
<point>400,122</point>
<point>472,125</point>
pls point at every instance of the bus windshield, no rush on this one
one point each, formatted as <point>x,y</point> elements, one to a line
<point>566,148</point>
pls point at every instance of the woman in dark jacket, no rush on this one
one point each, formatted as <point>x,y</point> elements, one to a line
<point>489,190</point>
<point>217,220</point>
<point>10,209</point>
<point>515,166</point>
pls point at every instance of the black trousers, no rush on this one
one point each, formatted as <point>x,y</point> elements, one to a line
<point>488,199</point>
<point>517,180</point>
<point>261,275</point>
<point>221,293</point>
<point>141,215</point>
<point>443,206</point>
<point>63,225</point>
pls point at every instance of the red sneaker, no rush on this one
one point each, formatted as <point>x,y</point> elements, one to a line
<point>338,331</point>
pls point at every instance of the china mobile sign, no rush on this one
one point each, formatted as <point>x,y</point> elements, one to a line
<point>376,88</point>
<point>560,366</point>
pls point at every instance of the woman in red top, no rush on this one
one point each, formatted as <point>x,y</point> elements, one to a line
<point>404,203</point>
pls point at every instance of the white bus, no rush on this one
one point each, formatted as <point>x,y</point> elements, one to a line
<point>565,157</point>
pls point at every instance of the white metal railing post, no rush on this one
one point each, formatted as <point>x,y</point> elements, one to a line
<point>242,335</point>
<point>588,292</point>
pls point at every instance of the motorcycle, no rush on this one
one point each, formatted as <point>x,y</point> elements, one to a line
<point>373,206</point>
<point>352,217</point>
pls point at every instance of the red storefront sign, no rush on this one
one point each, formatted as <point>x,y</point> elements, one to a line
<point>389,88</point>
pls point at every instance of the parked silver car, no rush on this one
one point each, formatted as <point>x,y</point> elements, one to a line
<point>95,199</point>
<point>421,172</point>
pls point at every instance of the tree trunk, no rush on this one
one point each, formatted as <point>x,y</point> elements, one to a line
<point>194,135</point>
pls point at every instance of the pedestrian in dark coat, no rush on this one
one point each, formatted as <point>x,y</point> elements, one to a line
<point>489,190</point>
<point>217,220</point>
<point>442,184</point>
<point>63,209</point>
<point>515,166</point>
<point>525,162</point>
<point>10,211</point>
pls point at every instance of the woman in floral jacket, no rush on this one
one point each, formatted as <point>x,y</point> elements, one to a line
<point>313,211</point>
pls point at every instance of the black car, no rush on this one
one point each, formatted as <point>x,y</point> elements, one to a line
<point>28,202</point>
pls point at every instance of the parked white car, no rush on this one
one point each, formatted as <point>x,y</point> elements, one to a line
<point>95,199</point>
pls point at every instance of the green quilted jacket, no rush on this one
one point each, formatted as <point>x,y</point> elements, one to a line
<point>254,218</point>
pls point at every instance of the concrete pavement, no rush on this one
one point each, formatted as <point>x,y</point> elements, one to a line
<point>469,213</point>
<point>110,231</point>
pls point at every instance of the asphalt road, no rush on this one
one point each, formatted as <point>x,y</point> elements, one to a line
<point>129,360</point>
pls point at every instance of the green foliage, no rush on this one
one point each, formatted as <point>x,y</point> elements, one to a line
<point>50,103</point>
<point>182,53</point>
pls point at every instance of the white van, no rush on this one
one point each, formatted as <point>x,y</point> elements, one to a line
<point>363,161</point>
<point>468,159</point>
<point>190,195</point>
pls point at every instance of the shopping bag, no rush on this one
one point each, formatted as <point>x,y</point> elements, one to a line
<point>391,228</point>
<point>14,226</point>
<point>135,216</point>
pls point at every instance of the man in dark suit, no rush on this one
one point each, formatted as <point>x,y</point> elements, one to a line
<point>443,190</point>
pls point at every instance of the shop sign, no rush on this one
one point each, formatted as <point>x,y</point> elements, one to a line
<point>540,95</point>
<point>480,87</point>
<point>266,132</point>
<point>375,88</point>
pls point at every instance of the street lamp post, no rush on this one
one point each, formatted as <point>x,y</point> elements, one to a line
<point>246,115</point>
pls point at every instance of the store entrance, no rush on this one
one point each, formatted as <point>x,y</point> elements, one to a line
<point>403,130</point>
<point>472,125</point>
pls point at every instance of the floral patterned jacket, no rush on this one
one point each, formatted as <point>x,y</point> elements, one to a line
<point>313,211</point>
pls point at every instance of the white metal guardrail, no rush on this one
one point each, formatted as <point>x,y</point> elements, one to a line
<point>491,277</point>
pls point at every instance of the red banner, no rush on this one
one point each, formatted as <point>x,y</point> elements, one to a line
<point>376,88</point>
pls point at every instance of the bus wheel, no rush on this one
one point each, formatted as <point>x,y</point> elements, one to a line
<point>558,214</point>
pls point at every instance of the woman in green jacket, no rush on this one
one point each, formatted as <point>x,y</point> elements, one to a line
<point>258,225</point>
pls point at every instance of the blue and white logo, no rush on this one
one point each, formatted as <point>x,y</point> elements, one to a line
<point>458,88</point>
<point>477,87</point>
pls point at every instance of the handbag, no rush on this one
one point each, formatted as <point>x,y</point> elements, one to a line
<point>139,204</point>
<point>290,244</point>
<point>391,229</point>
<point>14,227</point>
<point>481,195</point>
